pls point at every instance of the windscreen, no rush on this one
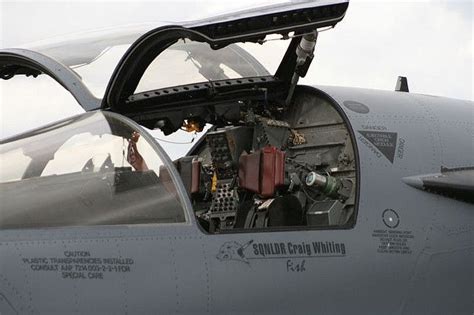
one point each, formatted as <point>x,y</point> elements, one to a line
<point>92,169</point>
<point>187,62</point>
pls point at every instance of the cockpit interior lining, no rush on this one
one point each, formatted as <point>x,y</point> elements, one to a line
<point>276,168</point>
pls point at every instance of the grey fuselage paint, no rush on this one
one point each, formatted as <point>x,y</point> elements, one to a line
<point>409,251</point>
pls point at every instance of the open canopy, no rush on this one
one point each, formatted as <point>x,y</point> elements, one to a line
<point>210,44</point>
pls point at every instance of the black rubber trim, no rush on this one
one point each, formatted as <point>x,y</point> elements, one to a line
<point>282,22</point>
<point>167,98</point>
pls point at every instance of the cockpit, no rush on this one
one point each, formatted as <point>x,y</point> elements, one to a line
<point>91,169</point>
<point>264,152</point>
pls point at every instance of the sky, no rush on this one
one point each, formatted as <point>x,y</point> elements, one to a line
<point>430,42</point>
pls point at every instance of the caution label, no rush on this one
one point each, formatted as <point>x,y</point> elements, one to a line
<point>393,241</point>
<point>75,265</point>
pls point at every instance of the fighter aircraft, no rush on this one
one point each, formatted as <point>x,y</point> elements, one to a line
<point>294,200</point>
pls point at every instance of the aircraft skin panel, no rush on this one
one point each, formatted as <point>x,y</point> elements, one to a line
<point>105,275</point>
<point>442,228</point>
<point>444,126</point>
<point>273,279</point>
<point>391,146</point>
<point>384,264</point>
<point>178,268</point>
<point>452,127</point>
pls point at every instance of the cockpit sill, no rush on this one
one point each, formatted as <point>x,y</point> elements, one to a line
<point>145,107</point>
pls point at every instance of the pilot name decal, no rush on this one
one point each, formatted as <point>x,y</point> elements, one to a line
<point>280,250</point>
<point>385,142</point>
<point>76,265</point>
